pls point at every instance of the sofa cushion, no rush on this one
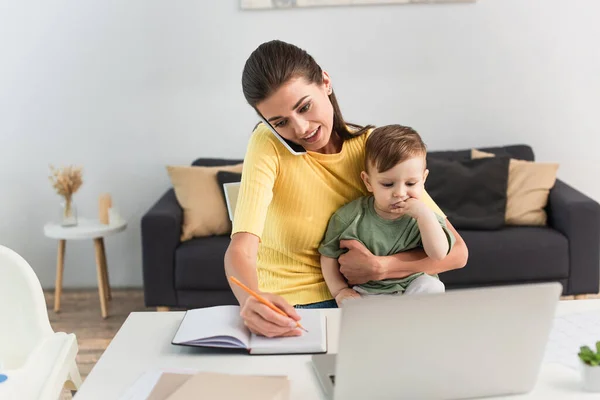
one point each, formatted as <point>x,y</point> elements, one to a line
<point>199,263</point>
<point>215,162</point>
<point>472,193</point>
<point>198,193</point>
<point>512,254</point>
<point>224,177</point>
<point>518,151</point>
<point>529,185</point>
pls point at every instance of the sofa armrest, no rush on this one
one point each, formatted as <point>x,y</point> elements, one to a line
<point>577,217</point>
<point>161,232</point>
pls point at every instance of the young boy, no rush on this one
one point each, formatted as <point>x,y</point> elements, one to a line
<point>392,220</point>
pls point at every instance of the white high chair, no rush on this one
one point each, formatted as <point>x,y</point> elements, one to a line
<point>37,361</point>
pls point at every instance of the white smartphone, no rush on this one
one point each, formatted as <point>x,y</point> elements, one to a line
<point>294,148</point>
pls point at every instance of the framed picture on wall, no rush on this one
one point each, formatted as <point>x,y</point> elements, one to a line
<point>267,4</point>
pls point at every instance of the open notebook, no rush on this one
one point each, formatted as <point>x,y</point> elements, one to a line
<point>222,326</point>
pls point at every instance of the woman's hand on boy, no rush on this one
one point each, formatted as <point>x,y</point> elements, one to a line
<point>345,294</point>
<point>358,264</point>
<point>261,320</point>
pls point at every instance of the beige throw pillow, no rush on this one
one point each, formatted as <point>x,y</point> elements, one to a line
<point>529,185</point>
<point>198,193</point>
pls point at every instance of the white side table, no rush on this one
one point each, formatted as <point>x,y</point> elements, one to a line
<point>85,229</point>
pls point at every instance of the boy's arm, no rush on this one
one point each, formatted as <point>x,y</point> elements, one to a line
<point>333,278</point>
<point>435,241</point>
<point>330,251</point>
<point>359,265</point>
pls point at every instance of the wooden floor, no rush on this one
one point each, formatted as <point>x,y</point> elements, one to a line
<point>80,314</point>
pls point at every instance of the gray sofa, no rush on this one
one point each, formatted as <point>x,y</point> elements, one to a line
<point>191,274</point>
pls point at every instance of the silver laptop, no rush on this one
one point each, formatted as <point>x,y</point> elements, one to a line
<point>231,191</point>
<point>454,345</point>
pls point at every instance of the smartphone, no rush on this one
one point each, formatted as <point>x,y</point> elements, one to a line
<point>294,148</point>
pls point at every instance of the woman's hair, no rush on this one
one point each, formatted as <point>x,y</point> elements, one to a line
<point>273,64</point>
<point>392,144</point>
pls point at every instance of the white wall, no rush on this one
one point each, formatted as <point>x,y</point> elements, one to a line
<point>125,87</point>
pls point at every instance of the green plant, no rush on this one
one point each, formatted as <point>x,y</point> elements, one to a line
<point>588,355</point>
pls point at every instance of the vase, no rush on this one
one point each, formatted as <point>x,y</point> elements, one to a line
<point>68,213</point>
<point>590,377</point>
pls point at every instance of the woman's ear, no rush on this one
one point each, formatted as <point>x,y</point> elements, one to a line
<point>327,83</point>
<point>365,178</point>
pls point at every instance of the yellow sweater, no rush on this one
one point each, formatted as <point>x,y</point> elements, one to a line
<point>287,200</point>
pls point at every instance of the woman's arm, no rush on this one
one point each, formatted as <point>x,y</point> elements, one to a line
<point>359,265</point>
<point>240,261</point>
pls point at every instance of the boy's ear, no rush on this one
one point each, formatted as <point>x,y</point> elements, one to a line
<point>365,178</point>
<point>425,174</point>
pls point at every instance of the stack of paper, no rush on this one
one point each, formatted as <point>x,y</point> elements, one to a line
<point>209,385</point>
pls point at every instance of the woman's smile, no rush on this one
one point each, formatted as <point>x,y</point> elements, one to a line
<point>313,136</point>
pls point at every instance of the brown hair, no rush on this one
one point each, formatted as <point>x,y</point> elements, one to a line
<point>273,64</point>
<point>391,144</point>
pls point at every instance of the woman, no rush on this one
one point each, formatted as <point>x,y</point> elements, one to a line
<point>286,200</point>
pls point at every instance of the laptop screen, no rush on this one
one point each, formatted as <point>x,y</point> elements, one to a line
<point>231,195</point>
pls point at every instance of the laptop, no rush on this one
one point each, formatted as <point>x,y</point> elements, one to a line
<point>455,345</point>
<point>231,191</point>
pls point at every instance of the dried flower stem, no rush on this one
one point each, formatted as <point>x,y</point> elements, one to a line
<point>66,181</point>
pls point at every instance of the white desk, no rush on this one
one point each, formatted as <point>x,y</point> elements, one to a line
<point>144,343</point>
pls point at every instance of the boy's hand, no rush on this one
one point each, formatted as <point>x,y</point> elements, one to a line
<point>412,207</point>
<point>346,294</point>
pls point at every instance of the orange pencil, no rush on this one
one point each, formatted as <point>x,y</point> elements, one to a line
<point>263,300</point>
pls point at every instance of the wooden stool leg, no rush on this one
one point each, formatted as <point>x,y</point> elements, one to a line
<point>107,290</point>
<point>60,267</point>
<point>100,274</point>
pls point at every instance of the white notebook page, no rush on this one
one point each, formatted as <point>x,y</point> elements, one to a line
<point>225,321</point>
<point>313,341</point>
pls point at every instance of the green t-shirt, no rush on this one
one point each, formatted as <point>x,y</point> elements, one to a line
<point>358,220</point>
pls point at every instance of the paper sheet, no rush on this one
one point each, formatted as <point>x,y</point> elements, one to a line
<point>185,384</point>
<point>143,386</point>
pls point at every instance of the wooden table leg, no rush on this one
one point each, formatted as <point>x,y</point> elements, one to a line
<point>107,290</point>
<point>60,267</point>
<point>100,273</point>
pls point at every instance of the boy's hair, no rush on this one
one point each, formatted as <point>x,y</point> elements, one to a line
<point>392,144</point>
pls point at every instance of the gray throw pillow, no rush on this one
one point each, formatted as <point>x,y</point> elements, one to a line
<point>472,193</point>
